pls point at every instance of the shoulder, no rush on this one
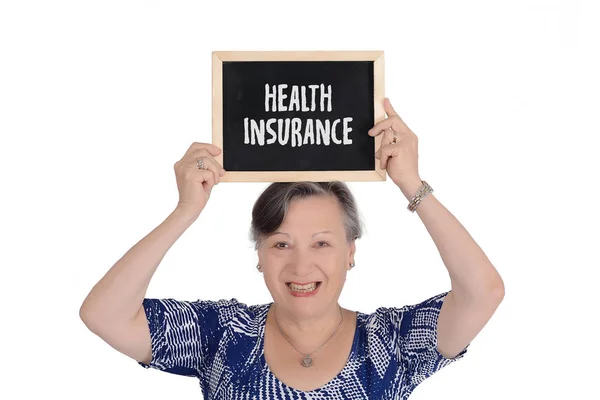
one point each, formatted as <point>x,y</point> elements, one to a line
<point>401,316</point>
<point>390,325</point>
<point>234,314</point>
<point>215,313</point>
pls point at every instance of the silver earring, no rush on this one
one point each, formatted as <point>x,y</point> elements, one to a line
<point>352,265</point>
<point>258,267</point>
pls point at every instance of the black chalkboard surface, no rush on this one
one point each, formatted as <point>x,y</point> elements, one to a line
<point>290,116</point>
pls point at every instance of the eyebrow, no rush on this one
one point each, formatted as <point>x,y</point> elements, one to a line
<point>287,234</point>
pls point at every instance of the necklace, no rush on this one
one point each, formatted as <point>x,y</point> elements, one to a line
<point>307,360</point>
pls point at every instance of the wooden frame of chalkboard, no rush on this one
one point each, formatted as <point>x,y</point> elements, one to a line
<point>237,76</point>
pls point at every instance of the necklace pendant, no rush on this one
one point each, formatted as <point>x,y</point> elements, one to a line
<point>307,361</point>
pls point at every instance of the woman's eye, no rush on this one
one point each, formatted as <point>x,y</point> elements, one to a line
<point>281,245</point>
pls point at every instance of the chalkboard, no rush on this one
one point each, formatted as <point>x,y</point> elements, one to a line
<point>291,116</point>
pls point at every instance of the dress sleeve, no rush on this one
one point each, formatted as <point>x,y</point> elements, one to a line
<point>413,335</point>
<point>185,334</point>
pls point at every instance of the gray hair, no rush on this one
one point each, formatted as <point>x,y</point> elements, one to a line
<point>272,205</point>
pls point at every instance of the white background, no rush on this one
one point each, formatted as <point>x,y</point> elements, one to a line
<point>99,99</point>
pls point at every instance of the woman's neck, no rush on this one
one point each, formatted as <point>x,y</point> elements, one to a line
<point>307,333</point>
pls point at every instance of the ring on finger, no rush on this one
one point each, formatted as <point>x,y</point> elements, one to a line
<point>394,136</point>
<point>200,163</point>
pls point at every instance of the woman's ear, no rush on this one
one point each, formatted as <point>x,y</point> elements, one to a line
<point>352,250</point>
<point>258,255</point>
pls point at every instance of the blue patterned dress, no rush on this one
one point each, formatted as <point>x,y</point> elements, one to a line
<point>221,344</point>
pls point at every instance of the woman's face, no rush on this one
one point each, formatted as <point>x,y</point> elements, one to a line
<point>309,246</point>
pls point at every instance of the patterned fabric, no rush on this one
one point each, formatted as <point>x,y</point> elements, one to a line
<point>221,344</point>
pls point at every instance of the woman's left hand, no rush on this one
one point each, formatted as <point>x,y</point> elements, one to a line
<point>398,153</point>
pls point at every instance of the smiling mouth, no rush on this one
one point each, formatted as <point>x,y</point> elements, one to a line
<point>304,288</point>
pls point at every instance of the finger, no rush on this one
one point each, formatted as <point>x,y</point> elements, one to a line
<point>381,126</point>
<point>218,166</point>
<point>206,175</point>
<point>214,167</point>
<point>206,155</point>
<point>384,153</point>
<point>389,110</point>
<point>208,181</point>
<point>384,161</point>
<point>389,135</point>
<point>210,164</point>
<point>203,176</point>
<point>211,148</point>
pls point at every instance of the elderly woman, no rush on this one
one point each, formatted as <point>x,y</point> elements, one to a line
<point>303,344</point>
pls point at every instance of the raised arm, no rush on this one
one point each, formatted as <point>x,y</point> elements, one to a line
<point>477,288</point>
<point>114,308</point>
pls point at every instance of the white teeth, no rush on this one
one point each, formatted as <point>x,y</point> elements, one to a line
<point>303,288</point>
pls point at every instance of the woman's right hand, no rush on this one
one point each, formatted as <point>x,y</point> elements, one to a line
<point>195,184</point>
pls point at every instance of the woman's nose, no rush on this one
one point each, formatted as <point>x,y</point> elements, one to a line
<point>302,263</point>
